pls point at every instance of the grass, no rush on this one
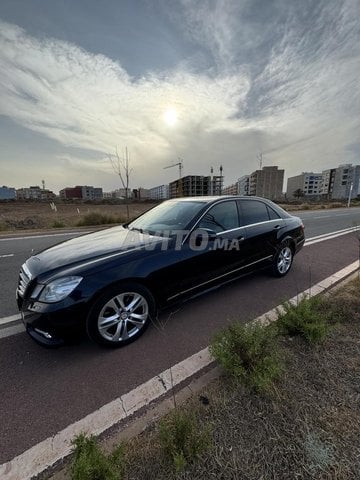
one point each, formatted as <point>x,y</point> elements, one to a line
<point>308,427</point>
<point>249,354</point>
<point>97,218</point>
<point>182,438</point>
<point>308,319</point>
<point>39,215</point>
<point>90,463</point>
<point>58,224</point>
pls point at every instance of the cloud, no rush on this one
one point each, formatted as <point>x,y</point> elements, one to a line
<point>283,80</point>
<point>88,101</point>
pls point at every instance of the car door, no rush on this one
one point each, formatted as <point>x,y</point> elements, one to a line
<point>200,264</point>
<point>263,226</point>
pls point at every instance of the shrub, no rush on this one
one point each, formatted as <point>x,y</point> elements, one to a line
<point>249,354</point>
<point>97,218</point>
<point>182,439</point>
<point>58,224</point>
<point>90,463</point>
<point>336,205</point>
<point>308,319</point>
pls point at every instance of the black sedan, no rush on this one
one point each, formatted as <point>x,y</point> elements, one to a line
<point>114,281</point>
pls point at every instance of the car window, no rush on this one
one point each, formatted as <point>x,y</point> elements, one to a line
<point>221,217</point>
<point>253,211</point>
<point>168,216</point>
<point>272,214</point>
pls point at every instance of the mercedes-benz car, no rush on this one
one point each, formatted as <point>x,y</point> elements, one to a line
<point>112,283</point>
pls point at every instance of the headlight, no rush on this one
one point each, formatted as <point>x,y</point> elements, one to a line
<point>59,289</point>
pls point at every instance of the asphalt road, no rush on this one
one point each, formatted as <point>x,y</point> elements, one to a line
<point>42,391</point>
<point>14,251</point>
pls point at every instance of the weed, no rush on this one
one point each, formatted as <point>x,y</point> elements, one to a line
<point>308,319</point>
<point>90,463</point>
<point>182,439</point>
<point>249,354</point>
<point>58,224</point>
<point>97,218</point>
<point>344,305</point>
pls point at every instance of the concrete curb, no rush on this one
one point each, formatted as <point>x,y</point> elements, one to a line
<point>50,451</point>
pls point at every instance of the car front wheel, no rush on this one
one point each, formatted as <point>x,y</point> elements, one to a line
<point>283,260</point>
<point>120,315</point>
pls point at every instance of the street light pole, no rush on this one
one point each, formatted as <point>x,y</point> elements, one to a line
<point>349,199</point>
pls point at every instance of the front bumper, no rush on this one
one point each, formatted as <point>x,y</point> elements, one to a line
<point>52,327</point>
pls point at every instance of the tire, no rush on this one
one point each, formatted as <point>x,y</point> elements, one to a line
<point>120,315</point>
<point>283,260</point>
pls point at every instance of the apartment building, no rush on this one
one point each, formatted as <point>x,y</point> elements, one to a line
<point>83,192</point>
<point>231,189</point>
<point>244,185</point>
<point>309,183</point>
<point>346,182</point>
<point>327,183</point>
<point>7,193</point>
<point>267,182</point>
<point>161,192</point>
<point>196,185</point>
<point>34,192</point>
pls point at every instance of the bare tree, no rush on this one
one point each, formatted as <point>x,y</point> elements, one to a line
<point>121,166</point>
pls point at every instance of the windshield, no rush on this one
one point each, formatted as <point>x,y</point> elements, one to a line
<point>167,217</point>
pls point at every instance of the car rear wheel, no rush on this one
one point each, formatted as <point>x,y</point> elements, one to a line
<point>120,315</point>
<point>283,260</point>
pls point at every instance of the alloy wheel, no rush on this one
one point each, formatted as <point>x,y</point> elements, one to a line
<point>284,260</point>
<point>123,316</point>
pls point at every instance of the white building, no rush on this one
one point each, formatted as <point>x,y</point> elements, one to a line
<point>346,182</point>
<point>309,183</point>
<point>161,192</point>
<point>244,185</point>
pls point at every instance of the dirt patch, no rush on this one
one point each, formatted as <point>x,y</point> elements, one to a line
<point>29,216</point>
<point>308,427</point>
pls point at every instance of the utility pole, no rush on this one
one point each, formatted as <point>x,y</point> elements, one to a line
<point>349,199</point>
<point>259,156</point>
<point>221,179</point>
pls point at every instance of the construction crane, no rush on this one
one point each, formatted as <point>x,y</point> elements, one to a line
<point>179,164</point>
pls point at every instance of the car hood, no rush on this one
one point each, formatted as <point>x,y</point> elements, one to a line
<point>90,248</point>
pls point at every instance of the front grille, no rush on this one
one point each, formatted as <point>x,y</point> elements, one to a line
<point>24,279</point>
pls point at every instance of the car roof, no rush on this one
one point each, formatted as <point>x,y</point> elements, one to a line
<point>210,199</point>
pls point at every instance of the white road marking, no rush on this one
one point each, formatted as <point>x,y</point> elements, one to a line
<point>9,320</point>
<point>310,241</point>
<point>46,453</point>
<point>7,255</point>
<point>322,216</point>
<point>14,330</point>
<point>329,236</point>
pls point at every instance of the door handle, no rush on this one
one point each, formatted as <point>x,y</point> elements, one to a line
<point>277,227</point>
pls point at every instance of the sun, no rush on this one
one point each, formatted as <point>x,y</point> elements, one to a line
<point>170,117</point>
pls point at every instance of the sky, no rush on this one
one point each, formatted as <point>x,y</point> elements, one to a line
<point>208,82</point>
